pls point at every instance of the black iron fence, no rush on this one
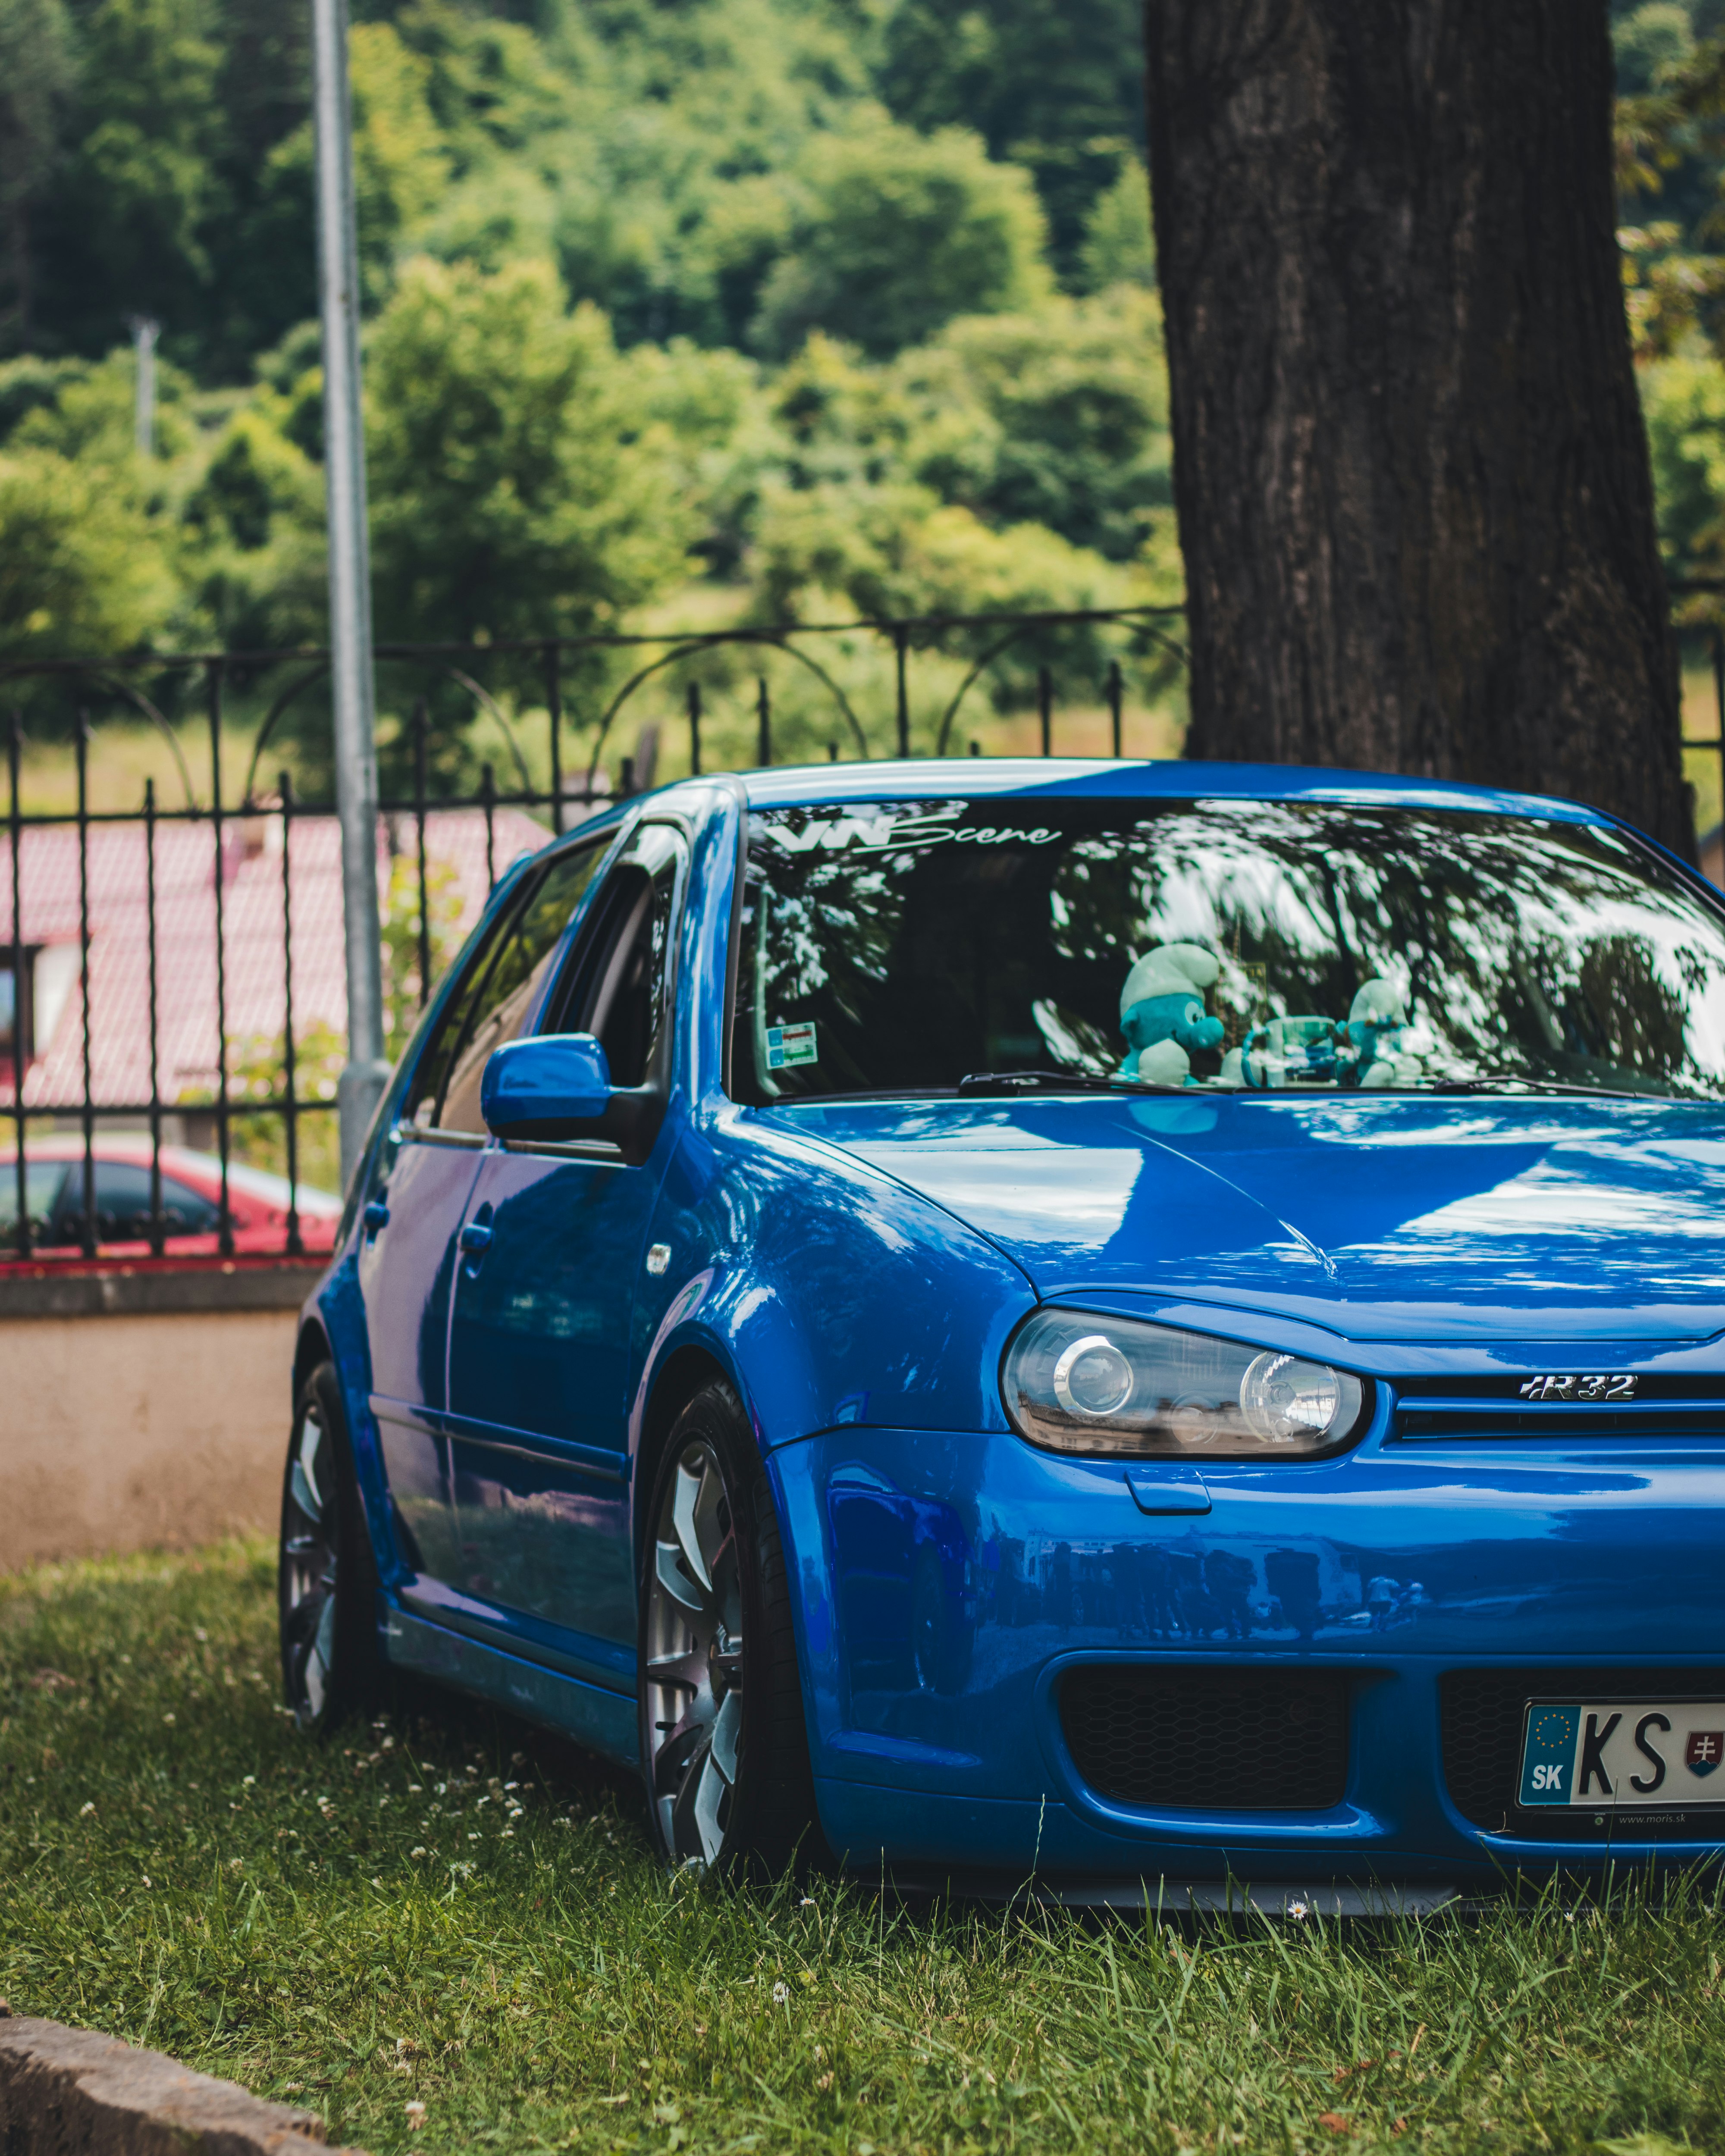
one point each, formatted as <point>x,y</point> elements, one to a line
<point>171,997</point>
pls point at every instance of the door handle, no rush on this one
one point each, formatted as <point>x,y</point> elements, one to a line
<point>375,1216</point>
<point>477,1239</point>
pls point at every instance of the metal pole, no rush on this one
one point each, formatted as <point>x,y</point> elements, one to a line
<point>290,1062</point>
<point>20,1008</point>
<point>554,719</point>
<point>367,1073</point>
<point>158,1227</point>
<point>224,1238</point>
<point>90,1189</point>
<point>144,334</point>
<point>1719,716</point>
<point>421,726</point>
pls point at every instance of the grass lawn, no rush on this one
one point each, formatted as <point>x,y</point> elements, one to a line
<point>456,1914</point>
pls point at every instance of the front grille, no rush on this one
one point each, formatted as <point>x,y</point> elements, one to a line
<point>1482,1712</point>
<point>1215,1739</point>
<point>1492,1408</point>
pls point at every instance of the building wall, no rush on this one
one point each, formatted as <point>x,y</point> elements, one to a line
<point>123,1431</point>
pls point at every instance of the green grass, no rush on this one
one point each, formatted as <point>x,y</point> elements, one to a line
<point>362,1927</point>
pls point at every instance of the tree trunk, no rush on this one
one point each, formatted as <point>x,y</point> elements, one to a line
<point>1411,479</point>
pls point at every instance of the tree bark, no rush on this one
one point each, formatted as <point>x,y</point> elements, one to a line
<point>1411,474</point>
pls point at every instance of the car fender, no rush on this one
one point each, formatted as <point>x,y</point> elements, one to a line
<point>829,1292</point>
<point>336,1310</point>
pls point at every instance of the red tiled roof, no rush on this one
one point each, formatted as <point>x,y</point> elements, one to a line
<point>252,940</point>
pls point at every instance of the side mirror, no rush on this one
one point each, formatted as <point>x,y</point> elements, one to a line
<point>536,1088</point>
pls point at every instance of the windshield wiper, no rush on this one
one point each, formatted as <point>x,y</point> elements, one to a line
<point>1502,1079</point>
<point>1057,1082</point>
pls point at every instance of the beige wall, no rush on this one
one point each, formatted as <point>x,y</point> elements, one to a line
<point>136,1432</point>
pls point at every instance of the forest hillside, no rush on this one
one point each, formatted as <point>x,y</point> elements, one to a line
<point>709,310</point>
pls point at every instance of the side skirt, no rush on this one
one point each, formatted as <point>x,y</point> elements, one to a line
<point>603,1721</point>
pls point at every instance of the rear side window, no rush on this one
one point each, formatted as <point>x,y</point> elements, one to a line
<point>506,985</point>
<point>616,985</point>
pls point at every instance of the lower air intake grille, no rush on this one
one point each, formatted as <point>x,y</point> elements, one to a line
<point>1217,1739</point>
<point>1483,1711</point>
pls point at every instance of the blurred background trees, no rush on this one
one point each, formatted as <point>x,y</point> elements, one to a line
<point>720,310</point>
<point>678,311</point>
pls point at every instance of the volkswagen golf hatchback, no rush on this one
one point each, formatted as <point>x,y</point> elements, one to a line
<point>1142,1322</point>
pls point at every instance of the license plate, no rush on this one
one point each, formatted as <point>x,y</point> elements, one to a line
<point>1610,1754</point>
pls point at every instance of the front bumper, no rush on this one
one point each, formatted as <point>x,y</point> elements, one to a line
<point>946,1583</point>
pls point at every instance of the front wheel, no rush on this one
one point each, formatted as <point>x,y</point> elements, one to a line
<point>331,1664</point>
<point>724,1748</point>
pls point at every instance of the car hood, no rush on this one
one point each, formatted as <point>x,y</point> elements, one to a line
<point>1381,1217</point>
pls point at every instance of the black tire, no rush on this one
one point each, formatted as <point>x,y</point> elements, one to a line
<point>724,1746</point>
<point>331,1661</point>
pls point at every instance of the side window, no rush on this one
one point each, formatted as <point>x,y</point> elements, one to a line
<point>419,1103</point>
<point>491,976</point>
<point>122,1190</point>
<point>499,1005</point>
<point>42,1180</point>
<point>617,982</point>
<point>185,1211</point>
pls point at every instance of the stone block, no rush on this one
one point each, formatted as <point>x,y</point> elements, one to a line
<point>75,2093</point>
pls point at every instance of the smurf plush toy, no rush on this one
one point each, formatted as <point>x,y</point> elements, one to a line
<point>1162,1013</point>
<point>1391,1051</point>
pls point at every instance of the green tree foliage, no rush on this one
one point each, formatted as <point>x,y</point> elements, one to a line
<point>895,233</point>
<point>672,161</point>
<point>250,542</point>
<point>36,73</point>
<point>1058,89</point>
<point>516,488</point>
<point>124,231</point>
<point>1671,134</point>
<point>1684,399</point>
<point>1016,462</point>
<point>1058,419</point>
<point>1119,246</point>
<point>81,570</point>
<point>654,292</point>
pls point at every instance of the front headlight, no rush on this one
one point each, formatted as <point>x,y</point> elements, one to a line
<point>1077,1382</point>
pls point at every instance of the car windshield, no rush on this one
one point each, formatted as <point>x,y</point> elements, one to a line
<point>941,945</point>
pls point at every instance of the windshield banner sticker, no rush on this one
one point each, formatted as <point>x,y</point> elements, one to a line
<point>875,830</point>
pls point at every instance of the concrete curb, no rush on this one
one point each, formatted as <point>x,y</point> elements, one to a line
<point>75,2093</point>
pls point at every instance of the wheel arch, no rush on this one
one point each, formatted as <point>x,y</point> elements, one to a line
<point>687,1370</point>
<point>315,1345</point>
<point>309,1349</point>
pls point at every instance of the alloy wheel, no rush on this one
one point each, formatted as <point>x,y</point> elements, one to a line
<point>695,1658</point>
<point>309,1571</point>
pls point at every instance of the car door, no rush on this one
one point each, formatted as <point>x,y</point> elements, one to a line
<point>416,1200</point>
<point>539,1333</point>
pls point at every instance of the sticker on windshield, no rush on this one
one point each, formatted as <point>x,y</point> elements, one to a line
<point>790,1044</point>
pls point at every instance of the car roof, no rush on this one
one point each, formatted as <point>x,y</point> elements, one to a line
<point>1055,777</point>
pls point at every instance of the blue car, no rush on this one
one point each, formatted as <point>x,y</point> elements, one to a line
<point>1145,1323</point>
